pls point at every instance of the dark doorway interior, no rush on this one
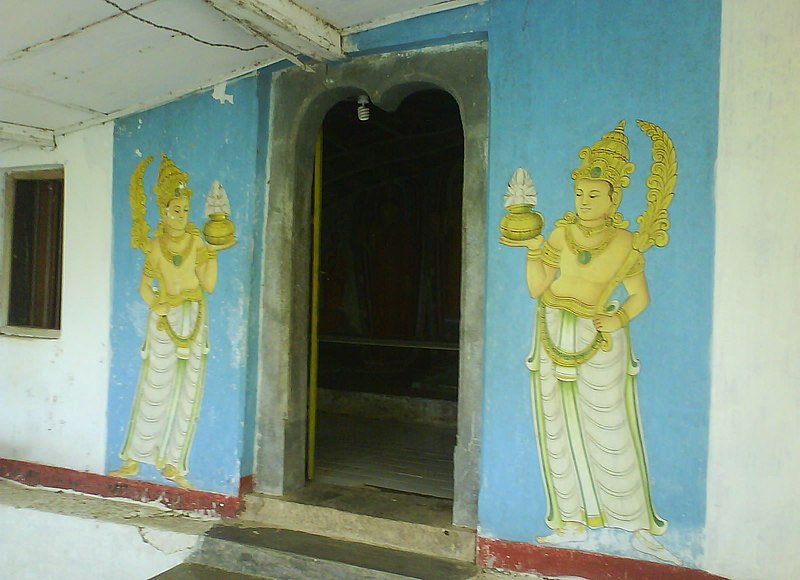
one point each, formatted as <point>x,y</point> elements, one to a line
<point>390,291</point>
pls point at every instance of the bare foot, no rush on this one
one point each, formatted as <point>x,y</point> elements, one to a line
<point>646,543</point>
<point>571,532</point>
<point>130,467</point>
<point>172,474</point>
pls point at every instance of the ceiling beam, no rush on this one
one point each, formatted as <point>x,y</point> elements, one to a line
<point>27,134</point>
<point>225,76</point>
<point>438,6</point>
<point>285,24</point>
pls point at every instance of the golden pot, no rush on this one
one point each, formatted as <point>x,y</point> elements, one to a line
<point>219,230</point>
<point>521,223</point>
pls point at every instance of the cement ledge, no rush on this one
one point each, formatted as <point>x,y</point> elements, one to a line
<point>151,515</point>
<point>62,478</point>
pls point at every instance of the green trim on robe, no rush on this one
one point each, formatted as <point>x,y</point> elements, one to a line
<point>568,393</point>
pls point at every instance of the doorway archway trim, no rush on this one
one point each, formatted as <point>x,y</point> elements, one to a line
<point>300,101</point>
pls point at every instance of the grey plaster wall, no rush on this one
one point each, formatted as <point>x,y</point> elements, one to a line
<point>300,101</point>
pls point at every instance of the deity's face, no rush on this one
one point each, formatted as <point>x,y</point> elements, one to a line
<point>592,199</point>
<point>176,215</point>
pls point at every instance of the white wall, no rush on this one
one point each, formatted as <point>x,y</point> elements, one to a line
<point>53,392</point>
<point>754,461</point>
<point>36,545</point>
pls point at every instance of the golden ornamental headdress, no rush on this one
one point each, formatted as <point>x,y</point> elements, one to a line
<point>172,183</point>
<point>609,160</point>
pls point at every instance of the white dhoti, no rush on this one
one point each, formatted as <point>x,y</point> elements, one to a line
<point>587,425</point>
<point>169,391</point>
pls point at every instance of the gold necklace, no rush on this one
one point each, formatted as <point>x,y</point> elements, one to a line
<point>179,256</point>
<point>586,253</point>
<point>590,231</point>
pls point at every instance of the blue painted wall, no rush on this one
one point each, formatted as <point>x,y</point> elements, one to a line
<point>209,141</point>
<point>563,73</point>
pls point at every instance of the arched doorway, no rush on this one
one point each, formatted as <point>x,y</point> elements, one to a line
<point>389,308</point>
<point>300,101</point>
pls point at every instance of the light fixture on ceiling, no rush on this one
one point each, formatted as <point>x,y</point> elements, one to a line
<point>363,108</point>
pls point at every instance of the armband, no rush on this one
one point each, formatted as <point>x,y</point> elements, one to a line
<point>550,255</point>
<point>149,269</point>
<point>637,267</point>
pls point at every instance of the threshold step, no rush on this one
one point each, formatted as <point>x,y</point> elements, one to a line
<point>290,555</point>
<point>400,521</point>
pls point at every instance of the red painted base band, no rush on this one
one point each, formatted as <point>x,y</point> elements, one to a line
<point>105,486</point>
<point>246,485</point>
<point>546,561</point>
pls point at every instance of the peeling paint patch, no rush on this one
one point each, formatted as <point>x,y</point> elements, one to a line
<point>138,153</point>
<point>220,95</point>
<point>167,542</point>
<point>236,331</point>
<point>138,313</point>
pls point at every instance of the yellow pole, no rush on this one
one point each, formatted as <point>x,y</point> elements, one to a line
<point>313,363</point>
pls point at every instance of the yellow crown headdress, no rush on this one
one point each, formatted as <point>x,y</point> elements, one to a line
<point>172,183</point>
<point>608,159</point>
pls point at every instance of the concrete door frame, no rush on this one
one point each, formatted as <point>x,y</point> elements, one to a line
<point>300,101</point>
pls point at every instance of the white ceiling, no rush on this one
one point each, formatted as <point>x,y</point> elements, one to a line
<point>69,64</point>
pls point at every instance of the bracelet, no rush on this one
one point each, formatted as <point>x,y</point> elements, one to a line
<point>624,319</point>
<point>212,255</point>
<point>535,254</point>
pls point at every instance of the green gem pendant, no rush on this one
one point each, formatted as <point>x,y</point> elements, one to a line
<point>584,256</point>
<point>177,260</point>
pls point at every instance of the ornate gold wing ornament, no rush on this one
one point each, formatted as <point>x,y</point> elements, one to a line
<point>654,222</point>
<point>140,229</point>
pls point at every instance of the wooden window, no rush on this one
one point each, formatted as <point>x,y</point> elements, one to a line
<point>33,247</point>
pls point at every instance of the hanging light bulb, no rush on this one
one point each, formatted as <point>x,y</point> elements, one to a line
<point>363,108</point>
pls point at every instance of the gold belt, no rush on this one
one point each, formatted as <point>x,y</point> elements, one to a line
<point>564,358</point>
<point>188,340</point>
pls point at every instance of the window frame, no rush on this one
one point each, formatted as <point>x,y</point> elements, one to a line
<point>8,179</point>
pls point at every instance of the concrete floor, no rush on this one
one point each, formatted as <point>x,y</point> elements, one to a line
<point>395,455</point>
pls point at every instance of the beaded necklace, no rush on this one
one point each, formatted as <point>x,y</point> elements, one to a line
<point>179,256</point>
<point>590,231</point>
<point>586,253</point>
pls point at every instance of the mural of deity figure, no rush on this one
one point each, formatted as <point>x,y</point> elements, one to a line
<point>180,269</point>
<point>589,281</point>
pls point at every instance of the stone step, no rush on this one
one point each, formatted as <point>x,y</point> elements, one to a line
<point>381,518</point>
<point>268,552</point>
<point>388,407</point>
<point>194,571</point>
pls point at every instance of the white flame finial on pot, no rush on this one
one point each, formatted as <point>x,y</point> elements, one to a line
<point>520,190</point>
<point>217,200</point>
